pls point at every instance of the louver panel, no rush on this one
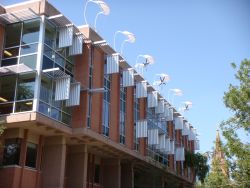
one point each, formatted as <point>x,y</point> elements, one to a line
<point>169,113</point>
<point>172,148</point>
<point>153,138</point>
<point>65,36</point>
<point>152,99</point>
<point>162,142</point>
<point>141,129</point>
<point>112,63</point>
<point>74,95</point>
<point>180,154</point>
<point>128,78</point>
<point>62,88</point>
<point>185,130</point>
<point>192,134</point>
<point>76,47</point>
<point>167,145</point>
<point>160,107</point>
<point>197,145</point>
<point>178,121</point>
<point>141,89</point>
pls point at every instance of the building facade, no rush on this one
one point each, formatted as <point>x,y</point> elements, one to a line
<point>77,115</point>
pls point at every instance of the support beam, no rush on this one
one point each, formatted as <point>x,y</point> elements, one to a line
<point>112,173</point>
<point>77,161</point>
<point>54,162</point>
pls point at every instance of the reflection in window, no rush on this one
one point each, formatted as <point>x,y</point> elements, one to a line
<point>122,112</point>
<point>46,89</point>
<point>13,34</point>
<point>31,155</point>
<point>106,103</point>
<point>44,108</point>
<point>11,52</point>
<point>136,118</point>
<point>9,62</point>
<point>59,60</point>
<point>26,85</point>
<point>56,114</point>
<point>48,52</point>
<point>24,106</point>
<point>50,35</point>
<point>30,32</point>
<point>29,60</point>
<point>6,108</point>
<point>11,151</point>
<point>66,118</point>
<point>28,49</point>
<point>47,63</point>
<point>7,88</point>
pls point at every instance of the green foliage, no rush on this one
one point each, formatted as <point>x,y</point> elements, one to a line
<point>237,99</point>
<point>1,129</point>
<point>198,162</point>
<point>216,177</point>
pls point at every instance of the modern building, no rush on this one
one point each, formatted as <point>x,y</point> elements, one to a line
<point>77,114</point>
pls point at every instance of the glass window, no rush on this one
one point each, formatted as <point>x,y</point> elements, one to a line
<point>50,35</point>
<point>69,67</point>
<point>106,103</point>
<point>46,89</point>
<point>56,114</point>
<point>30,31</point>
<point>47,63</point>
<point>31,155</point>
<point>6,108</point>
<point>28,49</point>
<point>49,52</point>
<point>24,106</point>
<point>122,112</point>
<point>44,108</point>
<point>26,84</point>
<point>59,60</point>
<point>8,62</point>
<point>7,88</point>
<point>11,52</point>
<point>11,151</point>
<point>29,60</point>
<point>66,118</point>
<point>13,35</point>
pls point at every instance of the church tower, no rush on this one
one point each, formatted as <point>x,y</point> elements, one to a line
<point>219,159</point>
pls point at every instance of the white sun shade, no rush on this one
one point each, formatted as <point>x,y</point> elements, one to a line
<point>17,16</point>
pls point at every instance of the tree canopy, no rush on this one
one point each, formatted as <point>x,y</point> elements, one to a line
<point>237,99</point>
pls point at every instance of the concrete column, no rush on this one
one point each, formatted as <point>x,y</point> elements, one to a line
<point>111,173</point>
<point>149,180</point>
<point>77,161</point>
<point>53,161</point>
<point>127,175</point>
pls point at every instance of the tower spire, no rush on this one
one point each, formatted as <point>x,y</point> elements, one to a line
<point>219,156</point>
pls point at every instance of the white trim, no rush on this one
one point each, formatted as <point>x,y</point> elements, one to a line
<point>39,64</point>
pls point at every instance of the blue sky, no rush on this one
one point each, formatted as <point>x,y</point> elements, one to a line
<point>193,41</point>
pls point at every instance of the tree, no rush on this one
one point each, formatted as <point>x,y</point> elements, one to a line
<point>1,130</point>
<point>216,177</point>
<point>199,163</point>
<point>237,99</point>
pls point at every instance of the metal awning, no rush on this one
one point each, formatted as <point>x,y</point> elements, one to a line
<point>18,16</point>
<point>15,69</point>
<point>55,73</point>
<point>61,21</point>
